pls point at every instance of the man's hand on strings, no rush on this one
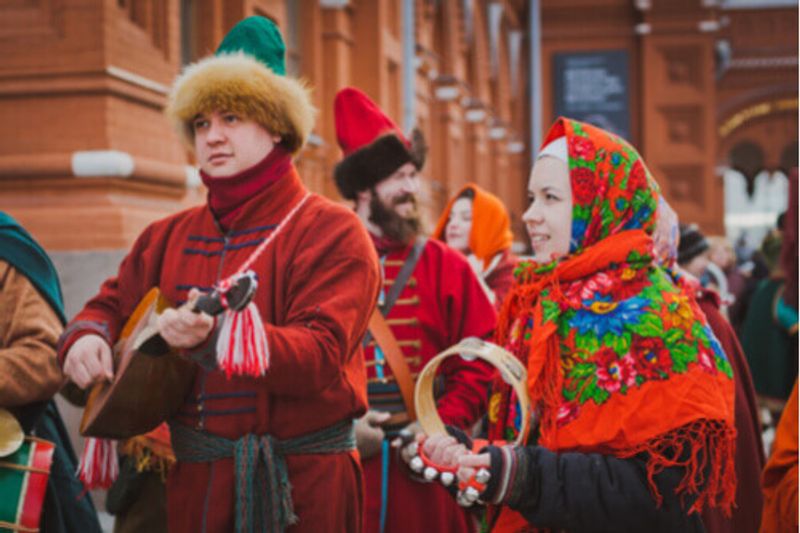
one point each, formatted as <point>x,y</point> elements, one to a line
<point>182,327</point>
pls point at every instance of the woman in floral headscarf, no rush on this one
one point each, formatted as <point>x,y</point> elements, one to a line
<point>632,391</point>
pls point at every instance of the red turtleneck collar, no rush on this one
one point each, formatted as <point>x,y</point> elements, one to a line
<point>226,196</point>
<point>384,245</point>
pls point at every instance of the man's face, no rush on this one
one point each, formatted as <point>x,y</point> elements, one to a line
<point>399,191</point>
<point>226,144</point>
<point>393,204</point>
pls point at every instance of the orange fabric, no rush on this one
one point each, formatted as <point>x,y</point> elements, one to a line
<point>153,450</point>
<point>780,479</point>
<point>491,226</point>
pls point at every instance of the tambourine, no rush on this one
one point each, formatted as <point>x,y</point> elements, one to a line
<point>511,370</point>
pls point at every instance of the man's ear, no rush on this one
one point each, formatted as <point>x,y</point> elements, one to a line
<point>364,196</point>
<point>363,199</point>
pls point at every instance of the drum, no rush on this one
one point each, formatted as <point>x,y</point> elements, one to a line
<point>24,471</point>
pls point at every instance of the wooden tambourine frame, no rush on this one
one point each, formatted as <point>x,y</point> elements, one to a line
<point>511,370</point>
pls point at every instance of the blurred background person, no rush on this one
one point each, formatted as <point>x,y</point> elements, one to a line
<point>693,256</point>
<point>476,223</point>
<point>723,255</point>
<point>769,331</point>
<point>756,265</point>
<point>722,264</point>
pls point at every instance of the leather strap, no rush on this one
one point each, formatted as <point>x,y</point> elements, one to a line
<point>405,273</point>
<point>379,330</point>
<point>395,359</point>
<point>400,282</point>
<point>511,369</point>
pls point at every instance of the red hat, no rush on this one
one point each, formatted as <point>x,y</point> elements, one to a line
<point>374,147</point>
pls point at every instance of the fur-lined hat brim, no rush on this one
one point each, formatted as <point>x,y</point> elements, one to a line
<point>239,84</point>
<point>371,164</point>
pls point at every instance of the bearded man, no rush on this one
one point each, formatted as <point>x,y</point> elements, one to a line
<point>430,299</point>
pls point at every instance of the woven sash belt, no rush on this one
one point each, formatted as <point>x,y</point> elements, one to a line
<point>263,492</point>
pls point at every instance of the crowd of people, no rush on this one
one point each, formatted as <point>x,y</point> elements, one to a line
<point>639,335</point>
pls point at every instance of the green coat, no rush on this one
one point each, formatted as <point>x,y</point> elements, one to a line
<point>771,351</point>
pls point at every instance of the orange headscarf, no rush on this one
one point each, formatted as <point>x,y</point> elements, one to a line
<point>491,226</point>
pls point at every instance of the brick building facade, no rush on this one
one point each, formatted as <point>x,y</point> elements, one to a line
<point>87,158</point>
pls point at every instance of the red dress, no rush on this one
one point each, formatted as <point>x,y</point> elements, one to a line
<point>501,278</point>
<point>318,282</point>
<point>441,303</point>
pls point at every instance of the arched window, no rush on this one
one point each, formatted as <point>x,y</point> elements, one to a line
<point>754,195</point>
<point>748,158</point>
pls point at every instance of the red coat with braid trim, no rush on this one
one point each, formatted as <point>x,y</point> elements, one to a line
<point>318,282</point>
<point>441,303</point>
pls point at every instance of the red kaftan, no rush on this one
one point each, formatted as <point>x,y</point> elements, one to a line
<point>318,282</point>
<point>441,304</point>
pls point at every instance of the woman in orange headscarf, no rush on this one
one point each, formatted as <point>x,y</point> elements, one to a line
<point>476,223</point>
<point>632,392</point>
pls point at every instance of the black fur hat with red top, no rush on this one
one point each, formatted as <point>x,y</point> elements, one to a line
<point>374,146</point>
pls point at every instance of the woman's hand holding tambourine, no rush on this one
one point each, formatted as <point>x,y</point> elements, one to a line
<point>439,456</point>
<point>443,458</point>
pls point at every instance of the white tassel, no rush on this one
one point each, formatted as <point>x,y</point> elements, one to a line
<point>99,465</point>
<point>242,347</point>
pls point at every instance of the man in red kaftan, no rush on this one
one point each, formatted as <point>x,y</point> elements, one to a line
<point>440,303</point>
<point>241,440</point>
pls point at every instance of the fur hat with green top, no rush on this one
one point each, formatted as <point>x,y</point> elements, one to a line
<point>246,76</point>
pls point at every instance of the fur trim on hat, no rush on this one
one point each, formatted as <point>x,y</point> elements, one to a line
<point>240,84</point>
<point>371,164</point>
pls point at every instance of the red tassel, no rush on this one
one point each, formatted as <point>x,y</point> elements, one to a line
<point>99,465</point>
<point>242,347</point>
